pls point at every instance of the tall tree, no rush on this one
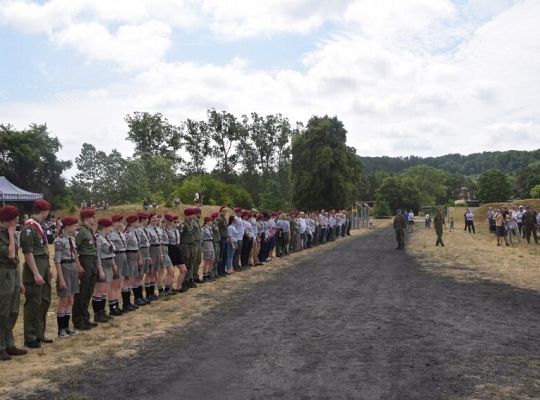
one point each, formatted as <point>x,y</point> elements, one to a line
<point>494,185</point>
<point>325,171</point>
<point>153,134</point>
<point>196,142</point>
<point>399,192</point>
<point>28,158</point>
<point>226,132</point>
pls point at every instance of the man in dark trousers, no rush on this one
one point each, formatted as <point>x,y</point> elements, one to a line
<point>399,227</point>
<point>86,248</point>
<point>438,221</point>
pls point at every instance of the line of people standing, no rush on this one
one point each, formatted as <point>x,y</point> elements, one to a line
<point>117,265</point>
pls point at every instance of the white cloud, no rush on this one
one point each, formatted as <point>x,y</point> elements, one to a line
<point>382,71</point>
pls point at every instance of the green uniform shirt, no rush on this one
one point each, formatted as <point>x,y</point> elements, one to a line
<point>5,261</point>
<point>186,233</point>
<point>197,237</point>
<point>85,242</point>
<point>217,233</point>
<point>33,242</point>
<point>222,225</point>
<point>399,222</point>
<point>438,221</point>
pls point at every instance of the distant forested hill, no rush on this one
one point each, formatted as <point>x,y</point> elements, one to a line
<point>472,164</point>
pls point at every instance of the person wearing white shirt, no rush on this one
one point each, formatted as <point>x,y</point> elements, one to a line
<point>239,235</point>
<point>247,241</point>
<point>302,228</point>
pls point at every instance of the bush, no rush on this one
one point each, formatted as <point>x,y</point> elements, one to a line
<point>381,209</point>
<point>215,192</point>
<point>535,192</point>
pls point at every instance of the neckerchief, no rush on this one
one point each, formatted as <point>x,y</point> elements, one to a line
<point>37,227</point>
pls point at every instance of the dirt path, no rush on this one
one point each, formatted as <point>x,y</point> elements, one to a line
<point>361,321</point>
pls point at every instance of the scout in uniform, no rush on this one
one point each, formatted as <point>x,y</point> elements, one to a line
<point>154,237</point>
<point>438,221</point>
<point>144,269</point>
<point>36,276</point>
<point>107,269</point>
<point>187,242</point>
<point>214,273</point>
<point>399,227</point>
<point>208,254</point>
<point>134,261</point>
<point>175,254</point>
<point>68,270</point>
<point>167,262</point>
<point>118,240</point>
<point>197,245</point>
<point>10,283</point>
<point>87,254</point>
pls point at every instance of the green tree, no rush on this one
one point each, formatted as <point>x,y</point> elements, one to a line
<point>535,192</point>
<point>431,183</point>
<point>494,186</point>
<point>399,192</point>
<point>196,142</point>
<point>526,179</point>
<point>153,134</point>
<point>325,172</point>
<point>227,133</point>
<point>28,158</point>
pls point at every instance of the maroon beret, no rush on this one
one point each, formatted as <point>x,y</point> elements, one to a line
<point>41,205</point>
<point>215,214</point>
<point>69,220</point>
<point>8,213</point>
<point>170,217</point>
<point>238,210</point>
<point>132,218</point>
<point>87,213</point>
<point>142,215</point>
<point>104,222</point>
<point>117,217</point>
<point>188,212</point>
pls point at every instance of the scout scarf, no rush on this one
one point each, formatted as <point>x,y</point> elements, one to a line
<point>38,228</point>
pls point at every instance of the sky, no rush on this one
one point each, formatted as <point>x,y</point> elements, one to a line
<point>422,77</point>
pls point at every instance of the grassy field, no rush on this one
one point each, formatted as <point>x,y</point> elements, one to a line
<point>126,334</point>
<point>476,256</point>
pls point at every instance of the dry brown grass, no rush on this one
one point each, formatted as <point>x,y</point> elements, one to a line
<point>123,336</point>
<point>475,257</point>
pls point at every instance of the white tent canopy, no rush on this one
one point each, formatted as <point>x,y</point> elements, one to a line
<point>10,192</point>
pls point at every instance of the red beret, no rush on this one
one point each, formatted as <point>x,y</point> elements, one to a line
<point>150,215</point>
<point>187,212</point>
<point>87,213</point>
<point>104,222</point>
<point>215,214</point>
<point>260,216</point>
<point>117,217</point>
<point>41,205</point>
<point>66,221</point>
<point>170,217</point>
<point>132,218</point>
<point>142,215</point>
<point>8,213</point>
<point>238,210</point>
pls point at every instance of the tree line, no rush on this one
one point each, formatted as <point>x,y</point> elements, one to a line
<point>249,161</point>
